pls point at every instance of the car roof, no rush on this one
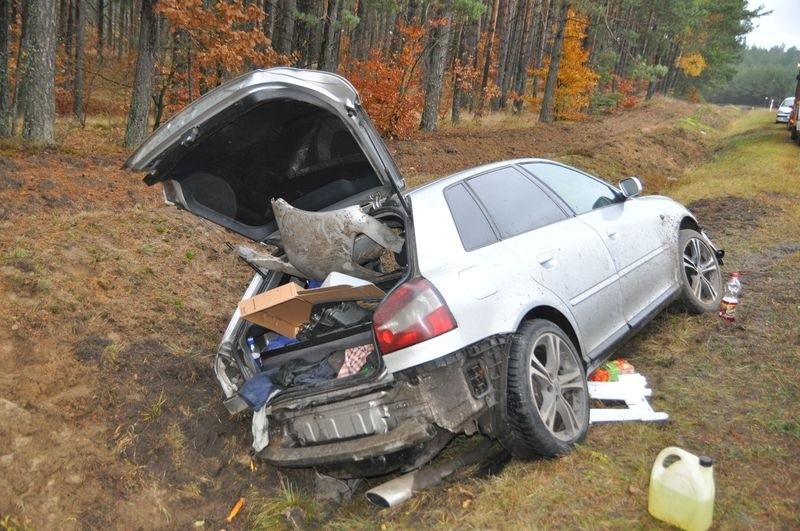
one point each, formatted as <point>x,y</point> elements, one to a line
<point>444,182</point>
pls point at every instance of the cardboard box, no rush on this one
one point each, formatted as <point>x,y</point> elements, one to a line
<point>285,308</point>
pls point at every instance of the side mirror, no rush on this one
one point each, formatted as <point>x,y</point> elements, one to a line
<point>630,186</point>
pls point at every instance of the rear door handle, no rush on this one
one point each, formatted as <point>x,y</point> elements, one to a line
<point>546,259</point>
<point>612,233</point>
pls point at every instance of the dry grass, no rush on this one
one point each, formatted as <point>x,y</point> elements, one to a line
<point>753,159</point>
<point>289,509</point>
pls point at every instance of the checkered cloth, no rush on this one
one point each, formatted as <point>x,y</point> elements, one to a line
<point>354,359</point>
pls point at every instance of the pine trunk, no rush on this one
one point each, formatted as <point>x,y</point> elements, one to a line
<point>285,27</point>
<point>69,16</point>
<point>5,86</point>
<point>487,64</point>
<point>434,79</point>
<point>37,85</point>
<point>62,21</point>
<point>506,24</point>
<point>327,53</point>
<point>110,27</point>
<point>473,41</point>
<point>139,113</point>
<point>521,73</point>
<point>80,37</point>
<point>100,27</point>
<point>458,92</point>
<point>546,114</point>
<point>269,7</point>
<point>538,59</point>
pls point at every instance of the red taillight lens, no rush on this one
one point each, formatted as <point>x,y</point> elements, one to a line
<point>412,313</point>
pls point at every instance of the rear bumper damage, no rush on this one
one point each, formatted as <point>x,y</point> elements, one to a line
<point>395,427</point>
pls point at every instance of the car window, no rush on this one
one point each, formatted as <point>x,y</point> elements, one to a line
<point>514,202</point>
<point>581,192</point>
<point>788,102</point>
<point>472,225</point>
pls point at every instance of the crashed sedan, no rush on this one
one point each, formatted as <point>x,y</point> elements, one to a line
<point>383,321</point>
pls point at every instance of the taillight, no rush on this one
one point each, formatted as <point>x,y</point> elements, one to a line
<point>412,313</point>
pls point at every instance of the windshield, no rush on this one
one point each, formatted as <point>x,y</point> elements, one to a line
<point>788,102</point>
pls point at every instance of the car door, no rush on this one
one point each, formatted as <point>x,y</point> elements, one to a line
<point>559,252</point>
<point>635,235</point>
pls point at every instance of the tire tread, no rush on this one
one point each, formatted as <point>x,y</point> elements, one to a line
<point>527,437</point>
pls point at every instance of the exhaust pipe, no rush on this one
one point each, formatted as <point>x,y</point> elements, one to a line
<point>402,488</point>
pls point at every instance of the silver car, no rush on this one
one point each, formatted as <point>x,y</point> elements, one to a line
<point>784,111</point>
<point>476,303</point>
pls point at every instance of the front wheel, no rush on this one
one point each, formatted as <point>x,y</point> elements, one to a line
<point>700,274</point>
<point>547,400</point>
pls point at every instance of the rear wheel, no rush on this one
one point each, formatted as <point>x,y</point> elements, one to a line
<point>547,401</point>
<point>701,277</point>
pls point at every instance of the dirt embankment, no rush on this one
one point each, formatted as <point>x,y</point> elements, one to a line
<point>112,303</point>
<point>657,142</point>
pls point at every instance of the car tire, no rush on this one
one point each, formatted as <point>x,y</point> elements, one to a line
<point>547,398</point>
<point>700,273</point>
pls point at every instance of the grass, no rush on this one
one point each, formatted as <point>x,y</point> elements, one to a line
<point>289,509</point>
<point>155,408</point>
<point>730,389</point>
<point>750,149</point>
<point>9,523</point>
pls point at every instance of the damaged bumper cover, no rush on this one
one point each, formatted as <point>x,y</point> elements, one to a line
<point>450,394</point>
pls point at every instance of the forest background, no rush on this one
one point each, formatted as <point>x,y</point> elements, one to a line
<point>415,62</point>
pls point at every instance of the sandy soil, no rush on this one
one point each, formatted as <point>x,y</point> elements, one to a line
<point>112,303</point>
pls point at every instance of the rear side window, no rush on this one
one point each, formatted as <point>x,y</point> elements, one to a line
<point>473,227</point>
<point>514,203</point>
<point>580,191</point>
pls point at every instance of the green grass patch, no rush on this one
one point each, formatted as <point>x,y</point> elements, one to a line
<point>289,509</point>
<point>757,158</point>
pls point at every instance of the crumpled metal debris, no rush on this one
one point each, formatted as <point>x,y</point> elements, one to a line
<point>267,261</point>
<point>319,243</point>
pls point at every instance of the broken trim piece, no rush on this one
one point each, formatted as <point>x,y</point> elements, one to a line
<point>320,243</point>
<point>633,390</point>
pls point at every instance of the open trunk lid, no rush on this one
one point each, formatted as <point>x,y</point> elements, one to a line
<point>283,133</point>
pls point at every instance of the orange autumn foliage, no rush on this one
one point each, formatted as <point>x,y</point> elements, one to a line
<point>212,45</point>
<point>630,89</point>
<point>692,64</point>
<point>389,84</point>
<point>576,81</point>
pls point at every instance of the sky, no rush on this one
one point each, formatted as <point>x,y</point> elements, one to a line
<point>782,26</point>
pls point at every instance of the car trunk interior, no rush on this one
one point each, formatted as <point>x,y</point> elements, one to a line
<point>333,345</point>
<point>285,149</point>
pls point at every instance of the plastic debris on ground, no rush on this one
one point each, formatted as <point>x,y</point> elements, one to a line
<point>235,510</point>
<point>614,383</point>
